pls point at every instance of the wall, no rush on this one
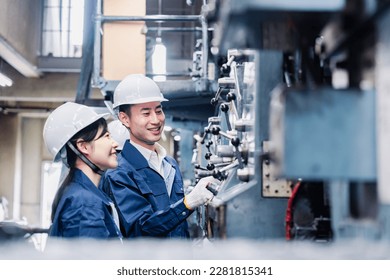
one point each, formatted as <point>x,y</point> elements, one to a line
<point>8,126</point>
<point>46,92</point>
<point>123,43</point>
<point>31,158</point>
<point>21,155</point>
<point>17,21</point>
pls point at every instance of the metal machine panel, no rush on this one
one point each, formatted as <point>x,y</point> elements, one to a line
<point>326,134</point>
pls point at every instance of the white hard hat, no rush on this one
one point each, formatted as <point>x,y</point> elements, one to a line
<point>119,133</point>
<point>63,123</point>
<point>136,89</point>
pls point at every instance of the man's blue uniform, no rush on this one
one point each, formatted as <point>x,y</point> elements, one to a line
<point>140,194</point>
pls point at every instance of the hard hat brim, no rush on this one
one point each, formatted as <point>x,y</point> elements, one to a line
<point>141,101</point>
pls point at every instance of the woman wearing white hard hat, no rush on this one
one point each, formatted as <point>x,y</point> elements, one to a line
<point>78,136</point>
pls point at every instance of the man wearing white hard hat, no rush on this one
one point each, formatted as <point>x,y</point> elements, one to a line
<point>147,185</point>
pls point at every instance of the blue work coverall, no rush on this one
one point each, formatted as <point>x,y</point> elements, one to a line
<point>84,211</point>
<point>142,200</point>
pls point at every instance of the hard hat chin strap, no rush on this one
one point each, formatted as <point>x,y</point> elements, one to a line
<point>93,166</point>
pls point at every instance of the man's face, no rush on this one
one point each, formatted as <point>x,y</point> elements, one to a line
<point>146,123</point>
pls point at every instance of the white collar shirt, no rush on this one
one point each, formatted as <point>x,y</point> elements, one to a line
<point>156,161</point>
<point>154,158</point>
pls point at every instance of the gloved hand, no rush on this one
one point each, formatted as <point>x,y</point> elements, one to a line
<point>200,195</point>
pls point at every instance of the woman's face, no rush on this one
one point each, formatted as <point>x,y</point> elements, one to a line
<point>103,151</point>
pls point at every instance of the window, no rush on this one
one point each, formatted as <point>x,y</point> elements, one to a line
<point>62,29</point>
<point>51,173</point>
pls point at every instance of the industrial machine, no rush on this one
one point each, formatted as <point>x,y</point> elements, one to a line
<point>295,124</point>
<point>299,131</point>
<point>235,148</point>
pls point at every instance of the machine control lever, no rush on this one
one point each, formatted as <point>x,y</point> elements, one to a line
<point>235,141</point>
<point>197,166</point>
<point>212,188</point>
<point>225,109</point>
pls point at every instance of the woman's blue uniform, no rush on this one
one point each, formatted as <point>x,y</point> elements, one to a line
<point>84,211</point>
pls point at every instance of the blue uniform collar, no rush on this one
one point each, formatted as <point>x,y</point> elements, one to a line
<point>82,179</point>
<point>137,160</point>
<point>133,156</point>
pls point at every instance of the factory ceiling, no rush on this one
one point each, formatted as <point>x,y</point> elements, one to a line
<point>41,81</point>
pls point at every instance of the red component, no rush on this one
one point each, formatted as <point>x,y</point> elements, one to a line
<point>289,215</point>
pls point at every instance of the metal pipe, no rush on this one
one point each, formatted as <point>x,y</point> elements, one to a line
<point>174,29</point>
<point>102,18</point>
<point>237,85</point>
<point>97,46</point>
<point>205,48</point>
<point>159,23</point>
<point>170,74</point>
<point>230,166</point>
<point>226,135</point>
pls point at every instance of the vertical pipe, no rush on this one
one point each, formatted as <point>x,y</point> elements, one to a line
<point>97,44</point>
<point>382,84</point>
<point>159,23</point>
<point>205,47</point>
<point>61,28</point>
<point>87,65</point>
<point>69,11</point>
<point>18,173</point>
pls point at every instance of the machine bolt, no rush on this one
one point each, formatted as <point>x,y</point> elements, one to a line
<point>215,130</point>
<point>235,142</point>
<point>210,166</point>
<point>224,107</point>
<point>230,96</point>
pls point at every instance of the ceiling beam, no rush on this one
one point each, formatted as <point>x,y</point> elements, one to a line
<point>17,61</point>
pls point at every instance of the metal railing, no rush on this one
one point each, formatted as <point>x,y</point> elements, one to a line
<point>100,19</point>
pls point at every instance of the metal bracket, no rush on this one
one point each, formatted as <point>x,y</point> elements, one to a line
<point>273,186</point>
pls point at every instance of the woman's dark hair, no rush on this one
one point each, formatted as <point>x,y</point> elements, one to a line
<point>88,134</point>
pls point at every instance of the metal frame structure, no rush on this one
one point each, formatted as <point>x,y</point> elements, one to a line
<point>175,90</point>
